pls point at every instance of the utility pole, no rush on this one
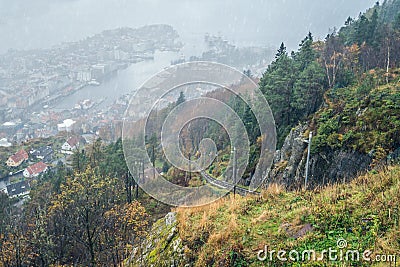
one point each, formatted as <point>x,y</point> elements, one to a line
<point>189,155</point>
<point>130,184</point>
<point>234,171</point>
<point>143,171</point>
<point>139,167</point>
<point>190,167</point>
<point>154,163</point>
<point>128,187</point>
<point>308,159</point>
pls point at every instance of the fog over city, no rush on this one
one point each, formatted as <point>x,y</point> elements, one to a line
<point>26,24</point>
<point>199,133</point>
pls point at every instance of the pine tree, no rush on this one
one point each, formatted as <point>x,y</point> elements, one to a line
<point>396,23</point>
<point>308,91</point>
<point>277,86</point>
<point>306,53</point>
<point>79,161</point>
<point>349,21</point>
<point>362,30</point>
<point>373,35</point>
<point>181,99</point>
<point>281,51</point>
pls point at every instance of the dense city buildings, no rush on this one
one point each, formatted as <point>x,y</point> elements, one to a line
<point>33,82</point>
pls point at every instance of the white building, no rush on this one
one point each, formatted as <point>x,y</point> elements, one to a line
<point>35,169</point>
<point>66,126</point>
<point>4,143</point>
<point>84,76</point>
<point>70,145</point>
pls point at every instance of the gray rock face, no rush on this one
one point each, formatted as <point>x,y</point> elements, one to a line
<point>170,218</point>
<point>326,167</point>
<point>331,166</point>
<point>287,161</point>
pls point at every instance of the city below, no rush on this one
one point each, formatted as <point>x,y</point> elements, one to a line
<point>55,101</point>
<point>35,85</point>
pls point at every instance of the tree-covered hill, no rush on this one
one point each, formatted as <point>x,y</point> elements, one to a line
<point>295,84</point>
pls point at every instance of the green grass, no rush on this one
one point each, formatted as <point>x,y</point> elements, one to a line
<point>365,213</point>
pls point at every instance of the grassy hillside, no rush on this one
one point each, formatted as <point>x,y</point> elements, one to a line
<point>232,231</point>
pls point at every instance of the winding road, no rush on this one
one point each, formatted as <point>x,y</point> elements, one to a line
<point>227,186</point>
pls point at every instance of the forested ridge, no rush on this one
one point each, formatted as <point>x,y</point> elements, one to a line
<point>296,85</point>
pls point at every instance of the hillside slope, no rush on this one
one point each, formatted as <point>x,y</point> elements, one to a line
<point>356,129</point>
<point>363,215</point>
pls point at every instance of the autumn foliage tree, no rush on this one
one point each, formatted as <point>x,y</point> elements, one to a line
<point>124,226</point>
<point>73,218</point>
<point>99,224</point>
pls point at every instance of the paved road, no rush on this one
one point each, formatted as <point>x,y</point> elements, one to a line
<point>225,185</point>
<point>218,183</point>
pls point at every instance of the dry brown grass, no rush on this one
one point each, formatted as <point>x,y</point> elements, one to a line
<point>273,191</point>
<point>214,230</point>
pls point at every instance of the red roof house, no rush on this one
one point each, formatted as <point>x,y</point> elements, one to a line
<point>17,159</point>
<point>35,169</point>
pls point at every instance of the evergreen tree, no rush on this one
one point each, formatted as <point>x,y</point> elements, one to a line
<point>308,91</point>
<point>396,23</point>
<point>349,21</point>
<point>306,53</point>
<point>281,51</point>
<point>373,35</point>
<point>362,30</point>
<point>248,73</point>
<point>181,99</point>
<point>277,86</point>
<point>79,161</point>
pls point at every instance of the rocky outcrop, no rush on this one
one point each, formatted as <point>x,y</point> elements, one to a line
<point>331,166</point>
<point>162,247</point>
<point>287,161</point>
<point>326,167</point>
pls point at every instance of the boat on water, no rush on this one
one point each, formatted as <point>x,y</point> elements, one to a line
<point>87,104</point>
<point>84,104</point>
<point>94,82</point>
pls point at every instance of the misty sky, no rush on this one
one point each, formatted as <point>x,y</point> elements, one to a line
<point>26,24</point>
